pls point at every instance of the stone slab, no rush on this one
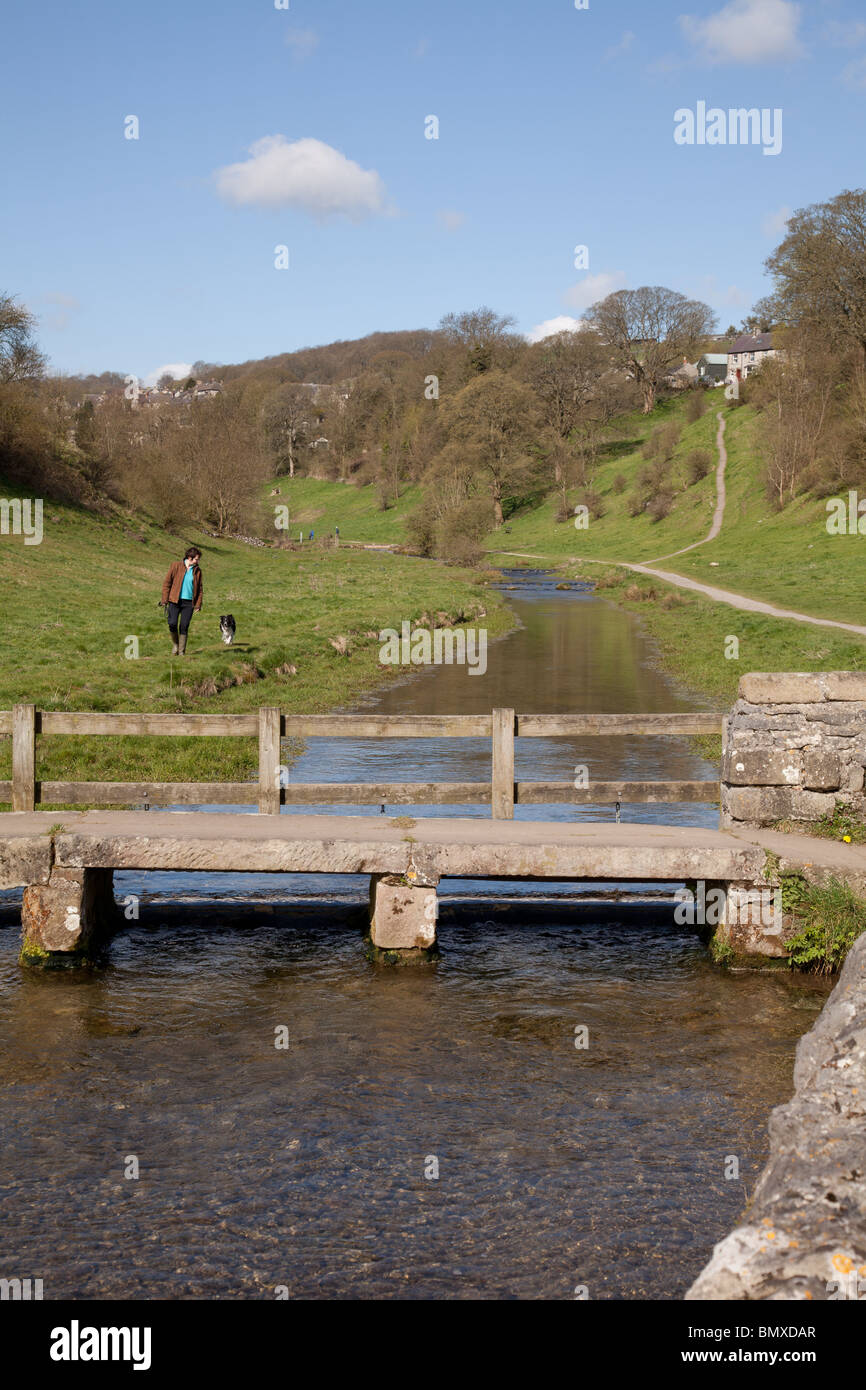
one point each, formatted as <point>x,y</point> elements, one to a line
<point>805,1236</point>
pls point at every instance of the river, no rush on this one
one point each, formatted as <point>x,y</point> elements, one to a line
<point>428,1132</point>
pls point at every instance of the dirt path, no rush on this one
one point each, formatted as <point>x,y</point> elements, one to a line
<point>721,496</point>
<point>680,581</point>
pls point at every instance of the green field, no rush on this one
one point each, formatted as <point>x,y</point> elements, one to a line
<point>319,505</point>
<point>74,603</point>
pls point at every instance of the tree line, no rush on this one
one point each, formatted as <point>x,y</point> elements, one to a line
<point>482,421</point>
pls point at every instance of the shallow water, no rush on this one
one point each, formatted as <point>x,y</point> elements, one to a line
<point>314,1167</point>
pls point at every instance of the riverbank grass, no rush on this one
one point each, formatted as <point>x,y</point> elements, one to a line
<point>833,918</point>
<point>83,631</point>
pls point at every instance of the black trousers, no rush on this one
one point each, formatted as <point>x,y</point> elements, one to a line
<point>179,615</point>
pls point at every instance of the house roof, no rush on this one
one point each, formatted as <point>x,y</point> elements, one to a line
<point>753,342</point>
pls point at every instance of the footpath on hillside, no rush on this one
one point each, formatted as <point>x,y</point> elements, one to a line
<point>734,600</point>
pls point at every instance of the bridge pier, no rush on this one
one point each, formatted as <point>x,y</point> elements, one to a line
<point>752,924</point>
<point>65,919</point>
<point>402,916</point>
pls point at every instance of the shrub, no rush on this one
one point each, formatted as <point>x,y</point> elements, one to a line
<point>662,442</point>
<point>636,504</point>
<point>697,405</point>
<point>620,483</point>
<point>594,503</point>
<point>653,476</point>
<point>661,505</point>
<point>698,464</point>
<point>421,530</point>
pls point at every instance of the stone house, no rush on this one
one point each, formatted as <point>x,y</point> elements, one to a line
<point>748,353</point>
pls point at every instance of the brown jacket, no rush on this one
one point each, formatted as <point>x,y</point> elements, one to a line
<point>173,580</point>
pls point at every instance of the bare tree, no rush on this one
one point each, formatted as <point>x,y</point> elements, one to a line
<point>482,333</point>
<point>649,330</point>
<point>565,370</point>
<point>286,414</point>
<point>795,395</point>
<point>20,358</point>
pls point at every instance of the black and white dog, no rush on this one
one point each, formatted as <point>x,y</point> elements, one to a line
<point>227,628</point>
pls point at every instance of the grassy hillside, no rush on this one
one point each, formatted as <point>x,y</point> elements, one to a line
<point>784,557</point>
<point>74,602</point>
<point>616,535</point>
<point>320,506</point>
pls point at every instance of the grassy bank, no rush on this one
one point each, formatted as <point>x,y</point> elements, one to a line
<point>75,602</point>
<point>318,505</point>
<point>694,633</point>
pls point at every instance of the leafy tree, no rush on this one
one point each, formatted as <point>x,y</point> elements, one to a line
<point>494,424</point>
<point>820,270</point>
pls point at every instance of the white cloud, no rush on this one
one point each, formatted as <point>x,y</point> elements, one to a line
<point>421,49</point>
<point>623,46</point>
<point>302,42</point>
<point>179,370</point>
<point>305,174</point>
<point>747,31</point>
<point>564,323</point>
<point>775,223</point>
<point>450,219</point>
<point>593,288</point>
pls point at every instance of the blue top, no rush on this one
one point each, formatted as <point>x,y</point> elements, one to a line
<point>186,586</point>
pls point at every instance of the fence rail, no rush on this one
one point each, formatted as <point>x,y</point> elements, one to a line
<point>271,789</point>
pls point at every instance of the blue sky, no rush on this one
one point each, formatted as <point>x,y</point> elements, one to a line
<point>555,129</point>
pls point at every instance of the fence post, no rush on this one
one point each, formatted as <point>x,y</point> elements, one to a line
<point>502,788</point>
<point>269,760</point>
<point>23,757</point>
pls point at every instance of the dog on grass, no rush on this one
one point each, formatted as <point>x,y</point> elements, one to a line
<point>227,628</point>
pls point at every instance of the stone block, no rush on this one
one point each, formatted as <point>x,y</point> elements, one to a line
<point>65,914</point>
<point>845,685</point>
<point>402,916</point>
<point>764,805</point>
<point>753,923</point>
<point>782,688</point>
<point>761,767</point>
<point>822,771</point>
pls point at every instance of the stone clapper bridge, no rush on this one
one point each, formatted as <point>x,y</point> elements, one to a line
<point>793,746</point>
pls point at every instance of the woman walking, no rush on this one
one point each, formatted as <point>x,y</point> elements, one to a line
<point>181,597</point>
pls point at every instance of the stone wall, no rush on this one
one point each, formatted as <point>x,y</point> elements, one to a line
<point>794,745</point>
<point>805,1234</point>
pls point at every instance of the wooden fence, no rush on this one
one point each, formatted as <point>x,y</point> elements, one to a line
<point>24,722</point>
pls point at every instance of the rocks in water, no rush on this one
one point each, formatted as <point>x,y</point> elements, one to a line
<point>805,1237</point>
